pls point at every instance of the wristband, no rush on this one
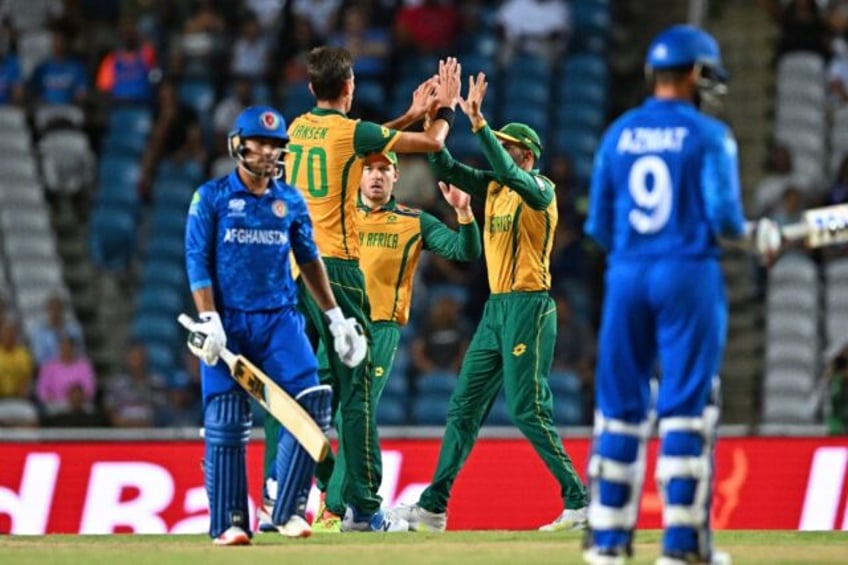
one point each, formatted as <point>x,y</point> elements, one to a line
<point>447,114</point>
<point>334,315</point>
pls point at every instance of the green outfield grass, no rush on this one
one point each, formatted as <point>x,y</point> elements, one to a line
<point>465,548</point>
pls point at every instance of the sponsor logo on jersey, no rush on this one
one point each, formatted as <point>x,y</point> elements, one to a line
<point>378,371</point>
<point>651,140</point>
<point>244,236</point>
<point>519,350</point>
<point>279,208</point>
<point>236,207</point>
<point>391,219</point>
<point>500,224</point>
<point>385,131</point>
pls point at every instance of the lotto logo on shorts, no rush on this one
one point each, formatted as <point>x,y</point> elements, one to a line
<point>519,350</point>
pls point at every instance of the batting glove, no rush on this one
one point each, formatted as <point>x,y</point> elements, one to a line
<point>348,338</point>
<point>215,339</point>
<point>767,239</point>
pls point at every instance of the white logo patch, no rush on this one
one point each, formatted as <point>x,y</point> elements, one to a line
<point>236,207</point>
<point>540,183</point>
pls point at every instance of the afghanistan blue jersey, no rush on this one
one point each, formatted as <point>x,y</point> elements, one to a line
<point>239,243</point>
<point>665,184</point>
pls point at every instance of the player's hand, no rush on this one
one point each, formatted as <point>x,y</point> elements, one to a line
<point>348,338</point>
<point>472,104</point>
<point>458,200</point>
<point>767,239</point>
<point>424,97</point>
<point>213,340</point>
<point>450,82</point>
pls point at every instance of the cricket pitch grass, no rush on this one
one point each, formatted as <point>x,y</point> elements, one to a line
<point>463,548</point>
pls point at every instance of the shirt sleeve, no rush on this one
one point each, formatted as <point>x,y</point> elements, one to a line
<point>302,240</point>
<point>461,245</point>
<point>720,185</point>
<point>534,189</point>
<point>473,181</point>
<point>369,137</point>
<point>199,239</point>
<point>599,220</point>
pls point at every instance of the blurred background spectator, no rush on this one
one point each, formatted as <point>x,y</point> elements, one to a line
<point>16,372</point>
<point>58,375</point>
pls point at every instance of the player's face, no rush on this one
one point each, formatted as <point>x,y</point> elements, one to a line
<point>262,154</point>
<point>518,152</point>
<point>378,180</point>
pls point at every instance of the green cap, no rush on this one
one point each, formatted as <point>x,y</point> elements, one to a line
<point>523,135</point>
<point>389,156</point>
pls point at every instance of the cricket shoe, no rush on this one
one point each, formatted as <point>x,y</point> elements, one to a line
<point>597,556</point>
<point>379,521</point>
<point>419,519</point>
<point>296,527</point>
<point>717,558</point>
<point>325,521</point>
<point>568,520</point>
<point>263,516</point>
<point>232,536</point>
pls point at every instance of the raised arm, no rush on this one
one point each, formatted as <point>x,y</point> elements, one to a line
<point>461,245</point>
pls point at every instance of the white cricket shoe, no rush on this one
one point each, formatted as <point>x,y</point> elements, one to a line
<point>568,520</point>
<point>296,527</point>
<point>419,519</point>
<point>718,558</point>
<point>263,516</point>
<point>594,557</point>
<point>232,536</point>
<point>379,521</point>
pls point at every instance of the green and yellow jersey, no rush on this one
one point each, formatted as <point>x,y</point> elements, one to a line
<point>521,215</point>
<point>324,163</point>
<point>390,242</point>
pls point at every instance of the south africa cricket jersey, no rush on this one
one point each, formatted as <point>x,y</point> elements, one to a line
<point>390,243</point>
<point>324,162</point>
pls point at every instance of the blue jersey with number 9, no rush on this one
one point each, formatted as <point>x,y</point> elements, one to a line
<point>665,184</point>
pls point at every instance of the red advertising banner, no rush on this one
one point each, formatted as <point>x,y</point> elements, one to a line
<point>157,487</point>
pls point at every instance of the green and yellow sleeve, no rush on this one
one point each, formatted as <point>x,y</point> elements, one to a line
<point>462,245</point>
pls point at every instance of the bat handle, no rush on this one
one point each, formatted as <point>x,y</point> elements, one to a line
<point>185,320</point>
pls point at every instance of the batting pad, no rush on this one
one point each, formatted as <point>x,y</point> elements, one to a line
<point>227,421</point>
<point>294,467</point>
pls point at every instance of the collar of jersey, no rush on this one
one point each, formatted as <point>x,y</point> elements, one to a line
<point>236,185</point>
<point>327,111</point>
<point>653,101</point>
<point>388,206</point>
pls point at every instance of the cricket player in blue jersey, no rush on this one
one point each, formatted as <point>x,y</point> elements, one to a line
<point>241,229</point>
<point>665,189</point>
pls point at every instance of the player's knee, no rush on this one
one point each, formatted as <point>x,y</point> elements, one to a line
<point>318,402</point>
<point>227,419</point>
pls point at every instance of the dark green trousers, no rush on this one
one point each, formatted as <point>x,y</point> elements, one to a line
<point>352,392</point>
<point>513,347</point>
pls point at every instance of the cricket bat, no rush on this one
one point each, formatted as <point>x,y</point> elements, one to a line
<point>271,397</point>
<point>820,226</point>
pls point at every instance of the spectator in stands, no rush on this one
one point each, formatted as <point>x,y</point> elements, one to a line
<point>779,175</point>
<point>441,343</point>
<point>537,27</point>
<point>61,78</point>
<point>55,322</point>
<point>321,15</point>
<point>294,48</point>
<point>130,72</point>
<point>184,406</point>
<point>837,421</point>
<point>227,110</point>
<point>839,190</point>
<point>79,411</point>
<point>426,27</point>
<point>172,127</point>
<point>802,27</point>
<point>251,53</point>
<point>574,350</point>
<point>200,51</point>
<point>837,74</point>
<point>134,394</point>
<point>16,371</point>
<point>791,207</point>
<point>11,79</point>
<point>58,375</point>
<point>369,45</point>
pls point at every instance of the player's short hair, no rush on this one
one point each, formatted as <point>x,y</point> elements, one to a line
<point>329,68</point>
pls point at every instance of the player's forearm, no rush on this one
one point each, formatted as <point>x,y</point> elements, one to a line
<point>465,178</point>
<point>204,299</point>
<point>402,122</point>
<point>315,277</point>
<point>517,179</point>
